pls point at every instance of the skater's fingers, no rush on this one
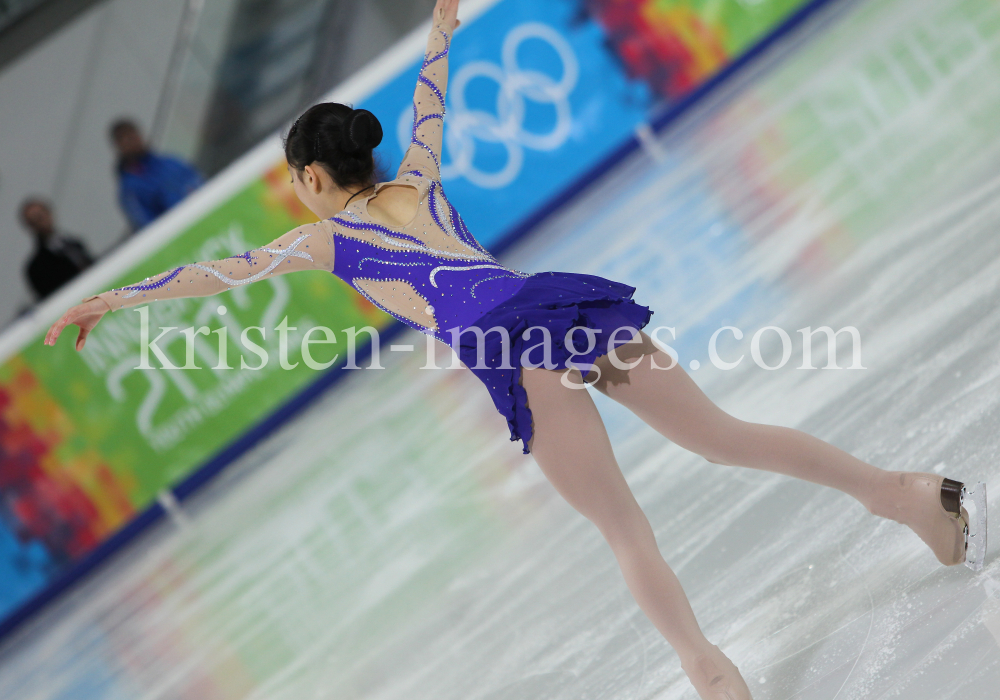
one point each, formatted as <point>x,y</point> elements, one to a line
<point>447,11</point>
<point>82,338</point>
<point>54,331</point>
<point>59,326</point>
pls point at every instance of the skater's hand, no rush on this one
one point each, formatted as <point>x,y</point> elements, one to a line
<point>85,315</point>
<point>446,12</point>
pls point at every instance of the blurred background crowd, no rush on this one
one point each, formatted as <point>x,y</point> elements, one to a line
<point>107,120</point>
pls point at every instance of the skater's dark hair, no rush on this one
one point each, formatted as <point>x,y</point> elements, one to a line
<point>340,139</point>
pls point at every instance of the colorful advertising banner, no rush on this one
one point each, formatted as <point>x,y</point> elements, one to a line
<point>540,93</point>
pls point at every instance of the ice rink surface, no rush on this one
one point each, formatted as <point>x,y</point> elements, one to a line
<point>391,543</point>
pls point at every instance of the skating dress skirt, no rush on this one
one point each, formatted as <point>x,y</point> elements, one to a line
<point>557,302</point>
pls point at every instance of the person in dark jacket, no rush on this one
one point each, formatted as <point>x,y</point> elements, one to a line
<point>58,258</point>
<point>148,183</point>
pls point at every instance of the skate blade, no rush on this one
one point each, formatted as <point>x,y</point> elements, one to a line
<point>974,502</point>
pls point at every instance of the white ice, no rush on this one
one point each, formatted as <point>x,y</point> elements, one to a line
<point>391,543</point>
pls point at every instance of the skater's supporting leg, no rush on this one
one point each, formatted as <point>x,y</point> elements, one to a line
<point>671,402</point>
<point>572,448</point>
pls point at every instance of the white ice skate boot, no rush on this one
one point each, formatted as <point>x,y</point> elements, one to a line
<point>947,516</point>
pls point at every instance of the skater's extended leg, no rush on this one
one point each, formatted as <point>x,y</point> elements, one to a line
<point>572,448</point>
<point>671,402</point>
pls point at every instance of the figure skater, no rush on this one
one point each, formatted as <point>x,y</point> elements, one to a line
<point>404,247</point>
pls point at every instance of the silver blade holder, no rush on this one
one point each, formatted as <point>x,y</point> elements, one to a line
<point>974,510</point>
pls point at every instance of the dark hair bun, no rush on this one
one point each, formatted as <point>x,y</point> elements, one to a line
<point>339,138</point>
<point>360,132</point>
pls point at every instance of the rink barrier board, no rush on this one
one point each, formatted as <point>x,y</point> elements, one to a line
<point>667,118</point>
<point>191,485</point>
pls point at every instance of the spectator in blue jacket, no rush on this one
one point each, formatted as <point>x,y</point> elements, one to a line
<point>148,183</point>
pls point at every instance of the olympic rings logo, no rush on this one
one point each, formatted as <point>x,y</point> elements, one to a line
<point>465,126</point>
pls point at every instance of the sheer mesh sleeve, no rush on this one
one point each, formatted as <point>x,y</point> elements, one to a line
<point>424,153</point>
<point>308,247</point>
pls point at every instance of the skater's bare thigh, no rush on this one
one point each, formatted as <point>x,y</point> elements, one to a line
<point>669,400</point>
<point>571,446</point>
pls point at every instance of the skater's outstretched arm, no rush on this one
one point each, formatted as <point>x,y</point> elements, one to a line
<point>424,154</point>
<point>308,247</point>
